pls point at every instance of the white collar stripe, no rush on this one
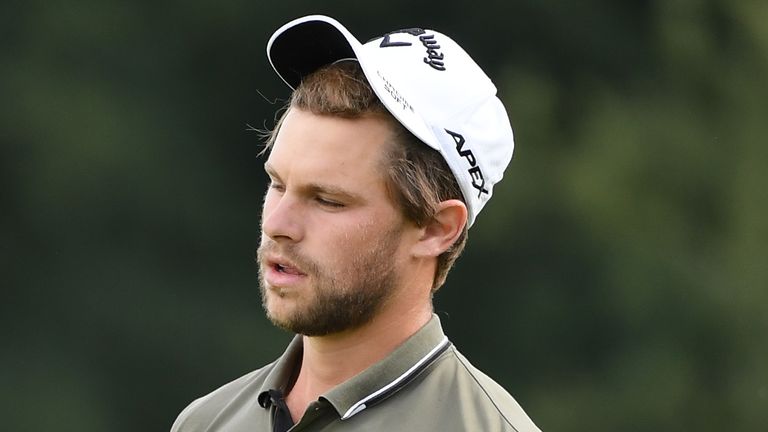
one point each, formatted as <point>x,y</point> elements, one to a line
<point>399,381</point>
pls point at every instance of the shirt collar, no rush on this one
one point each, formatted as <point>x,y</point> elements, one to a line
<point>374,384</point>
<point>282,371</point>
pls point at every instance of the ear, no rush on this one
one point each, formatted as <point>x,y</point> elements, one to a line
<point>441,233</point>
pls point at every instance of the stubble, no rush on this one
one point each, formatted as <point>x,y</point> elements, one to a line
<point>345,295</point>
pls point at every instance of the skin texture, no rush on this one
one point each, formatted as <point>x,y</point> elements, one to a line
<point>339,263</point>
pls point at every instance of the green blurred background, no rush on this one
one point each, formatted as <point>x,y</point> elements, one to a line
<point>617,281</point>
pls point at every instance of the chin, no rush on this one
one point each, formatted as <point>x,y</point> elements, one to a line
<point>281,309</point>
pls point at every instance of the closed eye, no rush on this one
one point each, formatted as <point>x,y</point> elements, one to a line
<point>329,203</point>
<point>276,186</point>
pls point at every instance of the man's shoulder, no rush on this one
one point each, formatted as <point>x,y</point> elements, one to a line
<point>199,414</point>
<point>474,398</point>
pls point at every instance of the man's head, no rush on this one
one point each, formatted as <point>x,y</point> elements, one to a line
<point>378,168</point>
<point>355,200</point>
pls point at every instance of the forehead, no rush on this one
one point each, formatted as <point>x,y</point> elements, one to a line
<point>331,148</point>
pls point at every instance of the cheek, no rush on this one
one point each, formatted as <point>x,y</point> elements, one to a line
<point>358,243</point>
<point>339,248</point>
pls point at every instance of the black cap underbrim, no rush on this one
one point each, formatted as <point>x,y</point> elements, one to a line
<point>306,47</point>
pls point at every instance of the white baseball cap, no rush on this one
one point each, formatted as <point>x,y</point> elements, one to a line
<point>428,83</point>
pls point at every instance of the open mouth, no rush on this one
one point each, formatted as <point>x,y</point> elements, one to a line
<point>286,269</point>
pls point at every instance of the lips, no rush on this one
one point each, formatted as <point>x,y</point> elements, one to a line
<point>284,266</point>
<point>281,272</point>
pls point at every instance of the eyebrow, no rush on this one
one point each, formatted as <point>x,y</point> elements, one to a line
<point>315,188</point>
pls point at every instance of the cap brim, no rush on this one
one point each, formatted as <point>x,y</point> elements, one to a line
<point>306,44</point>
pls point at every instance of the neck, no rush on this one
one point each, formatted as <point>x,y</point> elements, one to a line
<point>328,361</point>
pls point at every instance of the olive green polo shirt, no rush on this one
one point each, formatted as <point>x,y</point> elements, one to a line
<point>423,385</point>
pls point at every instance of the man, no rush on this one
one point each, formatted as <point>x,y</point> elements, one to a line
<point>383,159</point>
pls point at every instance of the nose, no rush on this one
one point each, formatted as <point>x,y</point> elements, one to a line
<point>281,218</point>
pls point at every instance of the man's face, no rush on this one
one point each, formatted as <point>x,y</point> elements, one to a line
<point>332,239</point>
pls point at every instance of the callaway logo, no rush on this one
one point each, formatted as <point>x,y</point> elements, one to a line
<point>478,182</point>
<point>434,57</point>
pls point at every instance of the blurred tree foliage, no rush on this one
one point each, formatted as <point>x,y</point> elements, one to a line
<point>617,281</point>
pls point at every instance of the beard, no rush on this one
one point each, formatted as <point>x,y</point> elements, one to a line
<point>344,298</point>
